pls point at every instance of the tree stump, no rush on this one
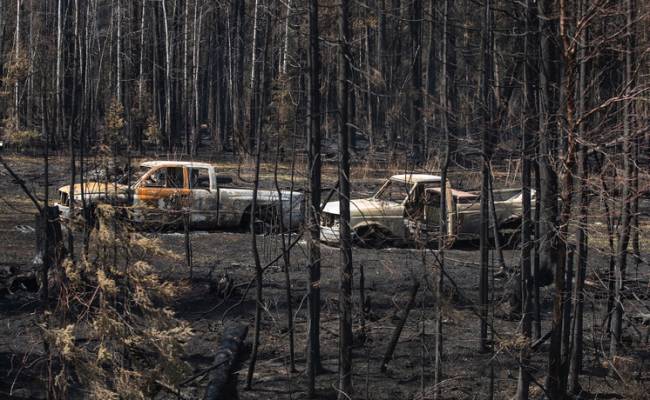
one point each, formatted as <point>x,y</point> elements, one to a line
<point>50,249</point>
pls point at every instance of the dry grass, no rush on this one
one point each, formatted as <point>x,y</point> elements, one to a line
<point>113,299</point>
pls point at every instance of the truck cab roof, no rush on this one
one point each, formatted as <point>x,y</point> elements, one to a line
<point>416,178</point>
<point>457,193</point>
<point>172,163</point>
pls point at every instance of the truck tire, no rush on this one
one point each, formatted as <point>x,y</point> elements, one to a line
<point>372,237</point>
<point>264,221</point>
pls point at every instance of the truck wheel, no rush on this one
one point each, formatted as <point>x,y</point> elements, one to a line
<point>262,225</point>
<point>512,240</point>
<point>372,237</point>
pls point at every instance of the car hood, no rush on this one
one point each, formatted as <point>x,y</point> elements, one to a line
<point>358,207</point>
<point>90,188</point>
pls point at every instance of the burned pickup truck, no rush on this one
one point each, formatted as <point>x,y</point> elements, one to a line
<point>166,191</point>
<point>406,209</point>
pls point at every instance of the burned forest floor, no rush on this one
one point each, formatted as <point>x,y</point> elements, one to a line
<point>224,259</point>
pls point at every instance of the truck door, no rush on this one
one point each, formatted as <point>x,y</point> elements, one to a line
<point>432,211</point>
<point>452,220</point>
<point>162,195</point>
<point>204,199</point>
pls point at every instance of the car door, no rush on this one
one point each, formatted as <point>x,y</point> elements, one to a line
<point>162,196</point>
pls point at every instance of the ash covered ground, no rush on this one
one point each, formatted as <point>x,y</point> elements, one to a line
<point>389,274</point>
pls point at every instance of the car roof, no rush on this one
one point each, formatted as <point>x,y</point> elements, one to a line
<point>189,164</point>
<point>416,178</point>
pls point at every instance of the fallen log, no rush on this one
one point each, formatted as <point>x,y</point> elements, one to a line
<point>12,280</point>
<point>222,384</point>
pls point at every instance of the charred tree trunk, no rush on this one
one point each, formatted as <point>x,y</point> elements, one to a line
<point>195,114</point>
<point>285,45</point>
<point>254,81</point>
<point>258,146</point>
<point>286,255</point>
<point>575,368</point>
<point>416,79</point>
<point>432,61</point>
<point>626,198</point>
<point>392,64</point>
<point>486,149</point>
<point>59,115</point>
<point>314,171</point>
<point>17,45</point>
<point>558,352</point>
<point>370,96</point>
<point>528,152</point>
<point>118,53</point>
<point>548,224</point>
<point>238,75</point>
<point>445,88</point>
<point>381,67</point>
<point>168,81</point>
<point>142,111</point>
<point>222,97</point>
<point>346,274</point>
<point>258,266</point>
<point>185,121</point>
<point>72,126</point>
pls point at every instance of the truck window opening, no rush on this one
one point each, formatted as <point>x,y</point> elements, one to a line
<point>392,191</point>
<point>199,178</point>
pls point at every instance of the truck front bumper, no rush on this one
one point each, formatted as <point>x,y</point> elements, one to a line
<point>330,234</point>
<point>64,212</point>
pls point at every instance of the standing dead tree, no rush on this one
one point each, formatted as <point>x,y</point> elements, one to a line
<point>313,214</point>
<point>448,108</point>
<point>486,150</point>
<point>628,175</point>
<point>259,271</point>
<point>528,150</point>
<point>346,274</point>
<point>575,369</point>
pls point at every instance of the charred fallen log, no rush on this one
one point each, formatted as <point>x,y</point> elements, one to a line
<point>13,280</point>
<point>400,325</point>
<point>223,382</point>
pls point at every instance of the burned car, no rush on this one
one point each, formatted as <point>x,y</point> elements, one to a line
<point>166,191</point>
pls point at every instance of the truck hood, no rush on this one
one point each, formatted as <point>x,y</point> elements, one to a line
<point>359,207</point>
<point>94,188</point>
